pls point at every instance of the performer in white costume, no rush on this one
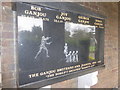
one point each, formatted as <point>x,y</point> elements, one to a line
<point>66,49</point>
<point>76,56</point>
<point>43,46</point>
<point>69,57</point>
<point>73,56</point>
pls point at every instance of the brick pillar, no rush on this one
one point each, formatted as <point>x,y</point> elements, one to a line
<point>8,55</point>
<point>119,44</point>
<point>0,38</point>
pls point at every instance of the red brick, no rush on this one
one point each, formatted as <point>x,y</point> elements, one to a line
<point>87,4</point>
<point>8,76</point>
<point>7,43</point>
<point>7,27</point>
<point>9,4</point>
<point>8,67</point>
<point>9,84</point>
<point>8,35</point>
<point>7,14</point>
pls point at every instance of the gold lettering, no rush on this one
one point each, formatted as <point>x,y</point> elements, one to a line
<point>34,75</point>
<point>30,76</point>
<point>38,14</point>
<point>98,20</point>
<point>99,61</point>
<point>64,14</point>
<point>26,11</point>
<point>93,62</point>
<point>51,75</point>
<point>83,17</point>
<point>41,74</point>
<point>35,8</point>
<point>63,18</point>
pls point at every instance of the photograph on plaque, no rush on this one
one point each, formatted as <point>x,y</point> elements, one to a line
<point>80,43</point>
<point>50,47</point>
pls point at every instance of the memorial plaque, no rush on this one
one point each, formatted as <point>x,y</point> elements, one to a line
<point>53,43</point>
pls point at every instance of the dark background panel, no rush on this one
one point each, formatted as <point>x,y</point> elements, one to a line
<point>27,52</point>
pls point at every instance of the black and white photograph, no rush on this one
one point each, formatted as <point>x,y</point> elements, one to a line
<point>80,43</point>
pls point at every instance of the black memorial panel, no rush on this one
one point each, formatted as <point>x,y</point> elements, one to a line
<point>53,43</point>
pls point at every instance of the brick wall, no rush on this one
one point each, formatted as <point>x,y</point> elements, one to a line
<point>108,77</point>
<point>0,38</point>
<point>118,43</point>
<point>8,60</point>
